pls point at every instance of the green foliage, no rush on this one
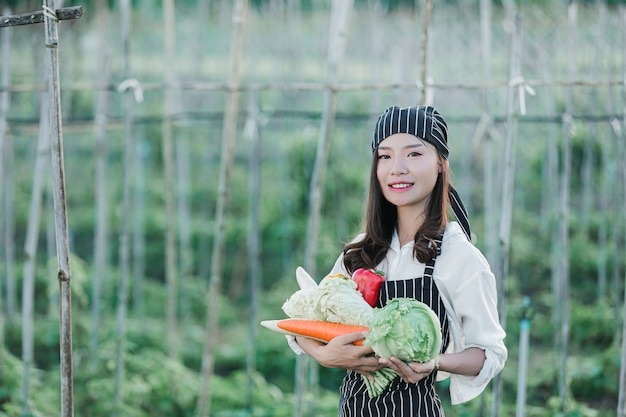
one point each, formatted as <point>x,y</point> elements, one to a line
<point>594,377</point>
<point>593,328</point>
<point>10,380</point>
<point>47,400</point>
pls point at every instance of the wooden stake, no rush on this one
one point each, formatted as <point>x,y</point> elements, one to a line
<point>425,97</point>
<point>100,134</point>
<point>5,45</point>
<point>124,250</point>
<point>563,266</point>
<point>229,139</point>
<point>508,184</point>
<point>67,13</point>
<point>60,210</point>
<point>340,14</point>
<point>167,152</point>
<point>254,239</point>
<point>621,401</point>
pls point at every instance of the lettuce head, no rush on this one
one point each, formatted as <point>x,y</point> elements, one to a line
<point>405,328</point>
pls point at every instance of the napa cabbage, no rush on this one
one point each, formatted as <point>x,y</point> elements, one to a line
<point>335,299</point>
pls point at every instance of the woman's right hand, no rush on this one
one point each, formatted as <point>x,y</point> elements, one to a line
<point>342,353</point>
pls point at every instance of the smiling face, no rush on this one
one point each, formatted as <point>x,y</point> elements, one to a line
<point>407,171</point>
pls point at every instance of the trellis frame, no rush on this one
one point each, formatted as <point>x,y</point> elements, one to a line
<point>225,87</point>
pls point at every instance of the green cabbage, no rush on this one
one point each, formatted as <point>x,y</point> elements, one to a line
<point>406,329</point>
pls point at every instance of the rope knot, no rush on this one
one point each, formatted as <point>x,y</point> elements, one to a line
<point>133,84</point>
<point>522,88</point>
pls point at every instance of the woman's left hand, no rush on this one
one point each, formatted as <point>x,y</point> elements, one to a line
<point>411,372</point>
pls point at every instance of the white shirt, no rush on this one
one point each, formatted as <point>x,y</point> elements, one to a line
<point>468,290</point>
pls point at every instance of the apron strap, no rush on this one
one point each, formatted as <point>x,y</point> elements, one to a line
<point>430,266</point>
<point>460,212</point>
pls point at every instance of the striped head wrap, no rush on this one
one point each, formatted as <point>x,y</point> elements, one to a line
<point>426,123</point>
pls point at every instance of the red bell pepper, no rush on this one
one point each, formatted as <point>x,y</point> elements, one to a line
<point>368,283</point>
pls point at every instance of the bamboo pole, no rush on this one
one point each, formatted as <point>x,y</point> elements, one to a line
<point>138,243</point>
<point>621,400</point>
<point>484,135</point>
<point>184,176</point>
<point>564,212</point>
<point>5,54</point>
<point>377,47</point>
<point>587,175</point>
<point>168,183</point>
<point>604,207</point>
<point>62,239</point>
<point>488,145</point>
<point>101,232</point>
<point>508,186</point>
<point>124,252</point>
<point>204,14</point>
<point>8,220</point>
<point>254,239</point>
<point>226,162</point>
<point>525,316</point>
<point>6,189</point>
<point>603,191</point>
<point>30,252</point>
<point>424,96</point>
<point>552,189</point>
<point>336,42</point>
<point>340,14</point>
<point>184,218</point>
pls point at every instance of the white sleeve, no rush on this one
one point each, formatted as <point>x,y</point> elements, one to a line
<point>475,308</point>
<point>291,341</point>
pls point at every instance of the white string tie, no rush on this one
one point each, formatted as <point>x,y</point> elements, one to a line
<point>47,11</point>
<point>616,126</point>
<point>522,88</point>
<point>426,90</point>
<point>135,85</point>
<point>567,119</point>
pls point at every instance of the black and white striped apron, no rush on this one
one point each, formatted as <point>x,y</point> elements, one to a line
<point>400,399</point>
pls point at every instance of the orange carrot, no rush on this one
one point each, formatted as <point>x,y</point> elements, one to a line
<point>321,330</point>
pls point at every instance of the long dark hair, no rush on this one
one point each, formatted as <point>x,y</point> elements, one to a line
<point>380,221</point>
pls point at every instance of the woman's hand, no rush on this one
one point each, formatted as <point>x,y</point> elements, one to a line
<point>411,372</point>
<point>468,362</point>
<point>342,353</point>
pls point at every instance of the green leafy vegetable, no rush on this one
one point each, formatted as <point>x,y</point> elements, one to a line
<point>340,302</point>
<point>405,328</point>
<point>304,304</point>
<point>335,299</point>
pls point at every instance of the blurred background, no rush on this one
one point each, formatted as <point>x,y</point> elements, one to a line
<point>211,147</point>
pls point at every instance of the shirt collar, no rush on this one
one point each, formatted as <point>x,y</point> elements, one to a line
<point>395,242</point>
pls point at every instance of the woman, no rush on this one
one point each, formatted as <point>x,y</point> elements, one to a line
<point>424,256</point>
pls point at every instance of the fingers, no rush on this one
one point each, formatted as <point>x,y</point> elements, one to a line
<point>367,375</point>
<point>411,372</point>
<point>305,342</point>
<point>341,352</point>
<point>350,338</point>
<point>368,364</point>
